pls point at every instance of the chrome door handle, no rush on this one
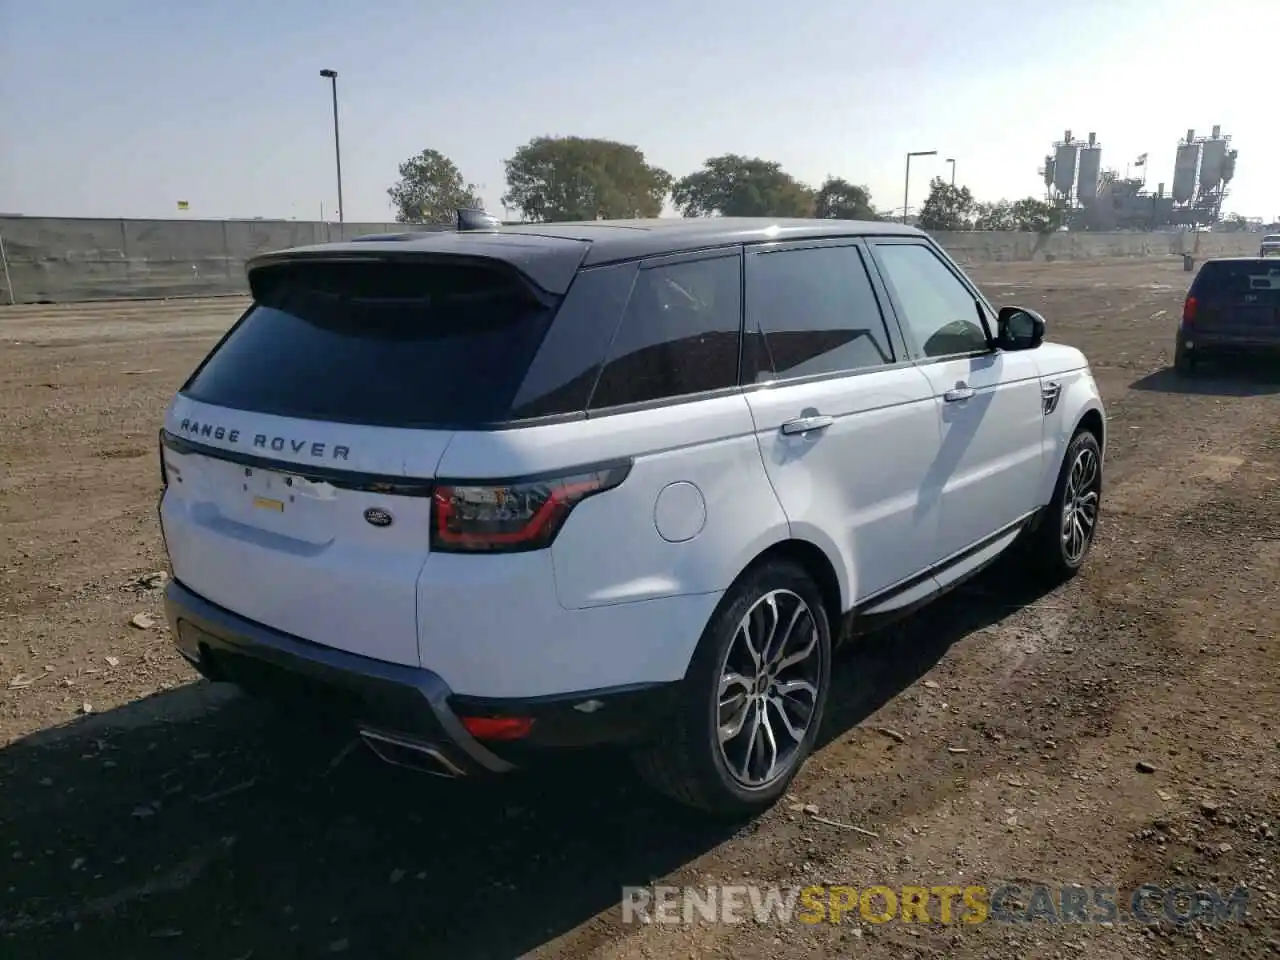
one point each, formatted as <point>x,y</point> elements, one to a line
<point>807,424</point>
<point>958,392</point>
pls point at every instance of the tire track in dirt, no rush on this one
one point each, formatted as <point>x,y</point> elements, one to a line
<point>117,321</point>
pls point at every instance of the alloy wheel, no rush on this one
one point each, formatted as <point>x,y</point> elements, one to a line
<point>1080,505</point>
<point>768,691</point>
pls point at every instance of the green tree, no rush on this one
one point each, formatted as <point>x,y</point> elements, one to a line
<point>947,207</point>
<point>430,190</point>
<point>994,216</point>
<point>737,186</point>
<point>838,199</point>
<point>576,178</point>
<point>1036,216</point>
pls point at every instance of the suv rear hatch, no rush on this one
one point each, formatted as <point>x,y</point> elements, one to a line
<point>299,456</point>
<point>1236,299</point>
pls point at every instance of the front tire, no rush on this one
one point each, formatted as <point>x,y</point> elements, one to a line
<point>1062,541</point>
<point>753,697</point>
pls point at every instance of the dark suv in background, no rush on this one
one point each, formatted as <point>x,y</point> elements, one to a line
<point>1232,308</point>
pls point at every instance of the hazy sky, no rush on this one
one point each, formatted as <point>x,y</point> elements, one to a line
<point>123,107</point>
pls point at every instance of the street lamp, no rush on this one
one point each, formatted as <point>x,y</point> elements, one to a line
<point>332,77</point>
<point>906,190</point>
<point>953,170</point>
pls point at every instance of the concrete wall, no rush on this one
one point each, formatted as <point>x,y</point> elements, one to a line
<point>988,247</point>
<point>65,259</point>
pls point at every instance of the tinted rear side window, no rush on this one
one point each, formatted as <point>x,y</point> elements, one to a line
<point>1229,277</point>
<point>679,334</point>
<point>569,360</point>
<point>392,344</point>
<point>812,311</point>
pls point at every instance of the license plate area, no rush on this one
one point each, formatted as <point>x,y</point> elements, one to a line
<point>266,489</point>
<point>282,503</point>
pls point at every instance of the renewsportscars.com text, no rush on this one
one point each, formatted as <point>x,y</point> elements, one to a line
<point>968,904</point>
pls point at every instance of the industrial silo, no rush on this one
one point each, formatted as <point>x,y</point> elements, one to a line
<point>1185,168</point>
<point>1089,167</point>
<point>1213,157</point>
<point>1065,156</point>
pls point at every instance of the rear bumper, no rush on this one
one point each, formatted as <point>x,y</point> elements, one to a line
<point>1205,343</point>
<point>402,711</point>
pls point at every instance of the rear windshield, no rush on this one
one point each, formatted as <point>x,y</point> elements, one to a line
<point>388,344</point>
<point>1228,277</point>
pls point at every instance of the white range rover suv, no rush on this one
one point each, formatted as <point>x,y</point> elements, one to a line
<point>493,492</point>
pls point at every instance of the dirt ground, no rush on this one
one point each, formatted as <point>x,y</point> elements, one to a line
<point>1121,730</point>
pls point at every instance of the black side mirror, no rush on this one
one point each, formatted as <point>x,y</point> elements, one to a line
<point>1019,328</point>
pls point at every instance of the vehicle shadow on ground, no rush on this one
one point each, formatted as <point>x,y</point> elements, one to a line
<point>234,835</point>
<point>876,668</point>
<point>1237,379</point>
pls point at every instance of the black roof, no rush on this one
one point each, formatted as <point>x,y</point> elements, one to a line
<point>1244,258</point>
<point>613,240</point>
<point>551,253</point>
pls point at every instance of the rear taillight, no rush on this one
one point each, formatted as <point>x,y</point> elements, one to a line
<point>506,518</point>
<point>498,728</point>
<point>1189,311</point>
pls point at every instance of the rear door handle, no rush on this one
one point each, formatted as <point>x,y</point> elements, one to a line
<point>807,424</point>
<point>958,392</point>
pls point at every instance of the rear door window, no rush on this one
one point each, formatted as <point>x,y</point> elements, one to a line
<point>679,335</point>
<point>812,311</point>
<point>389,344</point>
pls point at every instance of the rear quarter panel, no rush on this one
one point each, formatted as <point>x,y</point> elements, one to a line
<point>610,550</point>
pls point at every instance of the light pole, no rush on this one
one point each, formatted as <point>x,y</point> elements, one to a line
<point>953,170</point>
<point>906,190</point>
<point>332,77</point>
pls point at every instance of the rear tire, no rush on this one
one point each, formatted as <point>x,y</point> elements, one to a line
<point>771,687</point>
<point>1059,546</point>
<point>1184,363</point>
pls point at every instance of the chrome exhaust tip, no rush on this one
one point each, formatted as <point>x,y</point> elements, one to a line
<point>402,751</point>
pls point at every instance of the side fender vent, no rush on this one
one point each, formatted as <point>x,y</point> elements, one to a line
<point>1050,391</point>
